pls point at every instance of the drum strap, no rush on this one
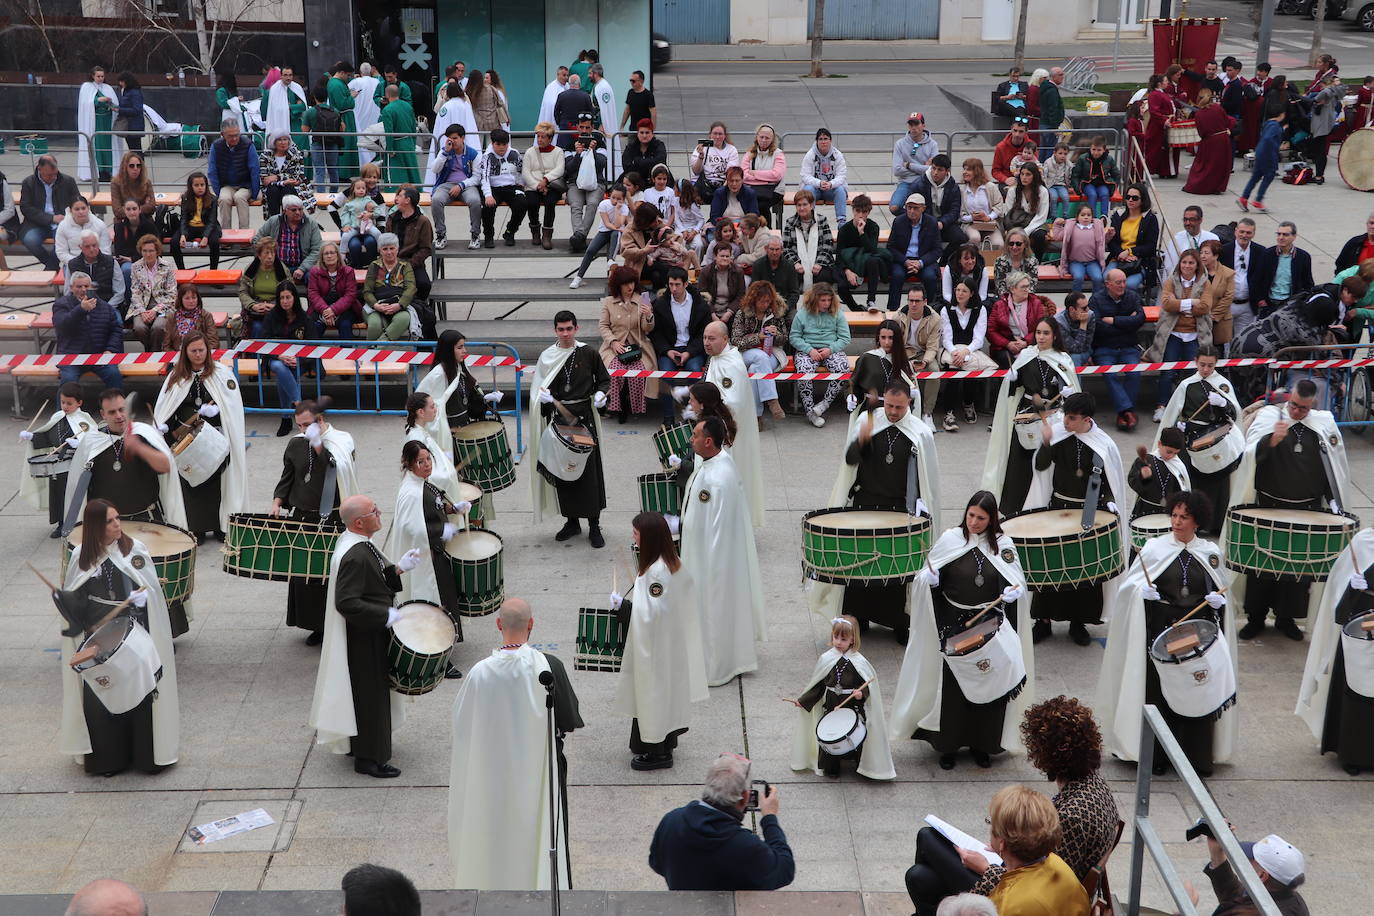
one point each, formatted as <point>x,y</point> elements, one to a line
<point>83,483</point>
<point>1331,480</point>
<point>1093,492</point>
<point>913,489</point>
<point>327,494</point>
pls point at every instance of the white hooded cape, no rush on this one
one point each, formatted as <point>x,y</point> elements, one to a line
<point>455,111</point>
<point>875,754</point>
<point>224,391</point>
<point>444,476</point>
<point>437,386</point>
<point>728,373</point>
<point>1325,636</point>
<point>169,484</point>
<point>1121,683</point>
<point>331,709</point>
<point>550,99</point>
<point>279,108</point>
<point>603,94</point>
<point>717,537</point>
<point>339,445</point>
<point>1042,487</point>
<point>544,495</point>
<point>408,532</point>
<point>999,444</point>
<point>85,124</point>
<point>33,489</point>
<point>857,413</point>
<point>916,704</point>
<point>365,111</point>
<point>664,669</point>
<point>75,739</point>
<point>499,781</point>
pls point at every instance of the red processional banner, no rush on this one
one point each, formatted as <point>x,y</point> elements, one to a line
<point>1189,43</point>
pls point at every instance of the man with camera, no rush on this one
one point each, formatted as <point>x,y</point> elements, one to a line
<point>589,145</point>
<point>1279,865</point>
<point>703,846</point>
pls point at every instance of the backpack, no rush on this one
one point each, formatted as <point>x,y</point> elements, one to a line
<point>1298,174</point>
<point>328,121</point>
<point>1249,91</point>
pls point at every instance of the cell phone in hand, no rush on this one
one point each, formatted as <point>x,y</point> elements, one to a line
<point>756,793</point>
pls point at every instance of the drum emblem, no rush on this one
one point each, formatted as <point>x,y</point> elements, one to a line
<point>656,590</point>
<point>85,427</point>
<point>570,466</point>
<point>1214,560</point>
<point>231,384</point>
<point>103,681</point>
<point>1200,676</point>
<point>727,382</point>
<point>1334,440</point>
<point>983,665</point>
<point>138,562</point>
<point>1008,555</point>
<point>1224,387</point>
<point>705,496</point>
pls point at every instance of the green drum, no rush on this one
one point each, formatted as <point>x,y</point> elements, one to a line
<point>1293,545</point>
<point>481,453</point>
<point>1057,553</point>
<point>173,551</point>
<point>673,440</point>
<point>279,549</point>
<point>474,558</point>
<point>473,494</point>
<point>1149,526</point>
<point>600,640</point>
<point>417,654</point>
<point>868,546</point>
<point>660,493</point>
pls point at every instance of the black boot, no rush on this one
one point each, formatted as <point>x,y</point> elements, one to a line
<point>570,528</point>
<point>594,533</point>
<point>284,427</point>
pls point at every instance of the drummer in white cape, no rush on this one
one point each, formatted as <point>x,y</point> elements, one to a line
<point>354,709</point>
<point>571,375</point>
<point>1077,463</point>
<point>421,412</point>
<point>955,696</point>
<point>875,370</point>
<point>1336,698</point>
<point>318,458</point>
<point>499,840</point>
<point>663,671</point>
<point>1294,459</point>
<point>840,712</point>
<point>717,536</point>
<point>1193,687</point>
<point>59,435</point>
<point>460,400</point>
<point>109,568</point>
<point>1205,409</point>
<point>1156,475</point>
<point>200,393</point>
<point>1041,377</point>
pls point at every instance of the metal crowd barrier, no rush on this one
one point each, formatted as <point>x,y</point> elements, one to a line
<point>62,145</point>
<point>1343,390</point>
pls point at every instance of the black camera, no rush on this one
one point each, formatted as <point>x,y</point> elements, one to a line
<point>755,793</point>
<point>1201,828</point>
<point>703,142</point>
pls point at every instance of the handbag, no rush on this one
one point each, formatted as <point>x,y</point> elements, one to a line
<point>633,354</point>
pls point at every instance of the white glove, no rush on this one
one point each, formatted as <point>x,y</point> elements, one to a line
<point>921,507</point>
<point>1012,593</point>
<point>851,403</point>
<point>1359,583</point>
<point>616,600</point>
<point>494,397</point>
<point>409,560</point>
<point>26,435</point>
<point>1216,399</point>
<point>1149,593</point>
<point>674,461</point>
<point>1215,600</point>
<point>162,428</point>
<point>1335,507</point>
<point>1111,507</point>
<point>545,397</point>
<point>450,530</point>
<point>674,523</point>
<point>73,442</point>
<point>313,434</point>
<point>140,598</point>
<point>688,413</point>
<point>680,393</point>
<point>392,615</point>
<point>463,506</point>
<point>931,576</point>
<point>208,411</point>
<point>599,400</point>
<point>1181,426</point>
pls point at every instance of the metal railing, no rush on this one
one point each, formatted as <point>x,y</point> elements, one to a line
<point>63,145</point>
<point>1343,390</point>
<point>1145,839</point>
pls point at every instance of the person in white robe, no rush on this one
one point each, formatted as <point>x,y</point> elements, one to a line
<point>603,93</point>
<point>842,677</point>
<point>551,92</point>
<point>109,148</point>
<point>421,414</point>
<point>279,108</point>
<point>1204,407</point>
<point>61,432</point>
<point>365,110</point>
<point>455,111</point>
<point>726,370</point>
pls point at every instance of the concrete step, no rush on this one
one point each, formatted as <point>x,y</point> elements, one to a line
<point>514,290</point>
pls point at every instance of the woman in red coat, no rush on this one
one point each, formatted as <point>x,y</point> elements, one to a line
<point>1211,170</point>
<point>1360,116</point>
<point>1012,320</point>
<point>1159,105</point>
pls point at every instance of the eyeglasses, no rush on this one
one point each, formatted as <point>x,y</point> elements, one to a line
<point>1133,197</point>
<point>1016,244</point>
<point>135,165</point>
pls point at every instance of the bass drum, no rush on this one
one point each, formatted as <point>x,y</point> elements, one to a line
<point>1356,160</point>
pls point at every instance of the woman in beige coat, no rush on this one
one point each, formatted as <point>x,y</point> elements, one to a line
<point>625,324</point>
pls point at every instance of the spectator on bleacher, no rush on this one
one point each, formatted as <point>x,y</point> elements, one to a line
<point>189,317</point>
<point>967,264</point>
<point>542,171</point>
<point>979,199</point>
<point>1189,237</point>
<point>1119,313</point>
<point>722,233</point>
<point>1010,95</point>
<point>724,282</point>
<point>825,174</point>
<point>1015,256</point>
<point>1012,320</point>
<point>1220,291</point>
<point>298,237</point>
<point>1026,206</point>
<point>765,171</point>
<point>44,198</point>
<point>361,220</point>
<point>110,282</point>
<point>1077,325</point>
<point>572,103</point>
<point>332,293</point>
<point>1292,265</point>
<point>67,237</point>
<point>498,170</point>
<point>915,245</point>
<point>862,257</point>
<point>1095,177</point>
<point>86,324</point>
<point>1254,273</point>
<point>690,222</point>
<point>416,233</point>
<point>130,119</point>
<point>9,216</point>
<point>152,293</point>
<point>1051,111</point>
<point>388,292</point>
<point>452,175</point>
<point>281,169</point>
<point>128,226</point>
<point>710,161</point>
<point>198,223</point>
<point>946,201</point>
<point>753,237</point>
<point>808,241</point>
<point>775,267</point>
<point>1083,251</point>
<point>734,198</point>
<point>132,182</point>
<point>1356,250</point>
<point>627,323</point>
<point>922,328</point>
<point>234,177</point>
<point>910,156</point>
<point>643,152</point>
<point>323,122</point>
<point>639,244</point>
<point>680,319</point>
<point>1133,237</point>
<point>287,319</point>
<point>258,285</point>
<point>586,191</point>
<point>963,334</point>
<point>613,216</point>
<point>1184,325</point>
<point>1011,152</point>
<point>759,330</point>
<point>662,194</point>
<point>819,334</point>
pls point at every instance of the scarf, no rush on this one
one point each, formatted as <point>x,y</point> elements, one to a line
<point>806,249</point>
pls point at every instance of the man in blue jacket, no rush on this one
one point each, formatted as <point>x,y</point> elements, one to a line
<point>451,175</point>
<point>704,846</point>
<point>233,173</point>
<point>85,324</point>
<point>1119,313</point>
<point>915,245</point>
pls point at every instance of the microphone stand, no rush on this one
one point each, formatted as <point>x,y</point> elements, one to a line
<point>556,904</point>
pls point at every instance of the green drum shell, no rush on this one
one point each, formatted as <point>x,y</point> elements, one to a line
<point>1287,550</point>
<point>481,584</point>
<point>176,571</point>
<point>600,640</point>
<point>259,546</point>
<point>660,493</point>
<point>410,672</point>
<point>486,459</point>
<point>673,440</point>
<point>898,553</point>
<point>1060,563</point>
<point>1140,535</point>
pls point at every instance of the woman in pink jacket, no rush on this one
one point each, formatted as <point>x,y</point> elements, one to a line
<point>1083,250</point>
<point>765,167</point>
<point>332,289</point>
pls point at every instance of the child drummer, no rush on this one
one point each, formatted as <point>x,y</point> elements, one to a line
<point>842,676</point>
<point>1156,476</point>
<point>61,432</point>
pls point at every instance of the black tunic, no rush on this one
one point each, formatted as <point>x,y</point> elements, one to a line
<point>956,599</point>
<point>1154,491</point>
<point>363,594</point>
<point>1216,485</point>
<point>575,385</point>
<point>1037,377</point>
<point>830,691</point>
<point>871,375</point>
<point>879,485</point>
<point>467,404</point>
<point>1345,729</point>
<point>1069,456</point>
<point>133,488</point>
<point>435,518</point>
<point>55,437</point>
<point>305,601</point>
<point>202,502</point>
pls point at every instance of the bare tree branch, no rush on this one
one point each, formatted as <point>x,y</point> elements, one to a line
<point>212,36</point>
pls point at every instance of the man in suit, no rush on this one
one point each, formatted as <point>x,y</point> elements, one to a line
<point>1292,267</point>
<point>945,201</point>
<point>680,318</point>
<point>915,245</point>
<point>1254,267</point>
<point>1358,248</point>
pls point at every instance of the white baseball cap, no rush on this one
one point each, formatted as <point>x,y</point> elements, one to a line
<point>1275,855</point>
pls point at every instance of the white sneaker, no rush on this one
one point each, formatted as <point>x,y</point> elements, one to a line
<point>440,242</point>
<point>822,406</point>
<point>815,417</point>
<point>1159,414</point>
<point>575,283</point>
<point>475,244</point>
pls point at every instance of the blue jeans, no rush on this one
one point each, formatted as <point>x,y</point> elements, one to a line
<point>33,237</point>
<point>665,400</point>
<point>1257,177</point>
<point>1174,350</point>
<point>362,250</point>
<point>840,195</point>
<point>324,163</point>
<point>604,238</point>
<point>1080,359</point>
<point>1100,196</point>
<point>898,199</point>
<point>930,279</point>
<point>1059,197</point>
<point>1092,269</point>
<point>756,360</point>
<point>288,384</point>
<point>1124,386</point>
<point>109,375</point>
<point>1133,281</point>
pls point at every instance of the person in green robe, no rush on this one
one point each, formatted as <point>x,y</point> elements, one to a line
<point>391,76</point>
<point>106,103</point>
<point>398,120</point>
<point>341,100</point>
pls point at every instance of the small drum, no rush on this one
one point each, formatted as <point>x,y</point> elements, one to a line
<point>1149,526</point>
<point>1295,545</point>
<point>660,493</point>
<point>1215,450</point>
<point>673,440</point>
<point>1028,431</point>
<point>600,640</point>
<point>473,494</point>
<point>1056,553</point>
<point>1356,161</point>
<point>481,452</point>
<point>1357,646</point>
<point>124,667</point>
<point>1184,133</point>
<point>200,454</point>
<point>986,659</point>
<point>51,464</point>
<point>474,559</point>
<point>869,546</point>
<point>173,551</point>
<point>1195,671</point>
<point>563,451</point>
<point>279,549</point>
<point>417,655</point>
<point>840,731</point>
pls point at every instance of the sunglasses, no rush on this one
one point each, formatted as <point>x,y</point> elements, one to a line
<point>1133,197</point>
<point>1016,244</point>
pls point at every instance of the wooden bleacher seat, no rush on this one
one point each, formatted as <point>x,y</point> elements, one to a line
<point>217,277</point>
<point>366,370</point>
<point>236,237</point>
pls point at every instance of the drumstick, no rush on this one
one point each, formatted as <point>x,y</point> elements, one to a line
<point>1201,604</point>
<point>35,419</point>
<point>1199,409</point>
<point>567,414</point>
<point>51,587</point>
<point>978,616</point>
<point>851,694</point>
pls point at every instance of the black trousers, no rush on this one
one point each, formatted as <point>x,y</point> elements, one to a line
<point>937,874</point>
<point>662,748</point>
<point>875,269</point>
<point>512,196</point>
<point>768,199</point>
<point>195,235</point>
<point>1317,148</point>
<point>546,199</point>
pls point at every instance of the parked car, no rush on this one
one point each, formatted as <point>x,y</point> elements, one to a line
<point>1304,8</point>
<point>660,51</point>
<point>1360,13</point>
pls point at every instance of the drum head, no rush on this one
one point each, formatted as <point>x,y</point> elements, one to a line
<point>469,492</point>
<point>837,723</point>
<point>161,540</point>
<point>109,636</point>
<point>974,637</point>
<point>1053,523</point>
<point>1156,523</point>
<point>1356,161</point>
<point>473,545</point>
<point>863,520</point>
<point>1205,630</point>
<point>482,429</point>
<point>424,627</point>
<point>1354,627</point>
<point>1307,517</point>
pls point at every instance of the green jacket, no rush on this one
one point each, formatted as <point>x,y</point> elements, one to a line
<point>1051,105</point>
<point>310,241</point>
<point>380,95</point>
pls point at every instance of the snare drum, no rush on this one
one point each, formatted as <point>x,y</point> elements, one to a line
<point>173,551</point>
<point>868,546</point>
<point>1357,648</point>
<point>481,453</point>
<point>200,454</point>
<point>1028,431</point>
<point>51,464</point>
<point>474,559</point>
<point>563,451</point>
<point>1295,545</point>
<point>1215,451</point>
<point>1056,553</point>
<point>417,654</point>
<point>840,731</point>
<point>126,666</point>
<point>660,493</point>
<point>473,494</point>
<point>1149,526</point>
<point>280,549</point>
<point>1184,133</point>
<point>600,640</point>
<point>1195,671</point>
<point>675,439</point>
<point>986,659</point>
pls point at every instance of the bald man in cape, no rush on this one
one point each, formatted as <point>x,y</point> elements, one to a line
<point>726,370</point>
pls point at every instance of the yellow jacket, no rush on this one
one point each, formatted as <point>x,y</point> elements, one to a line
<point>1047,888</point>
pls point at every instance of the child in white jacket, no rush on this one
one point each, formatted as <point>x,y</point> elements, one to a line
<point>66,237</point>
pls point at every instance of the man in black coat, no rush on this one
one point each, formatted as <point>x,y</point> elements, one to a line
<point>680,319</point>
<point>43,201</point>
<point>1357,249</point>
<point>1292,268</point>
<point>1254,267</point>
<point>915,245</point>
<point>945,201</point>
<point>570,103</point>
